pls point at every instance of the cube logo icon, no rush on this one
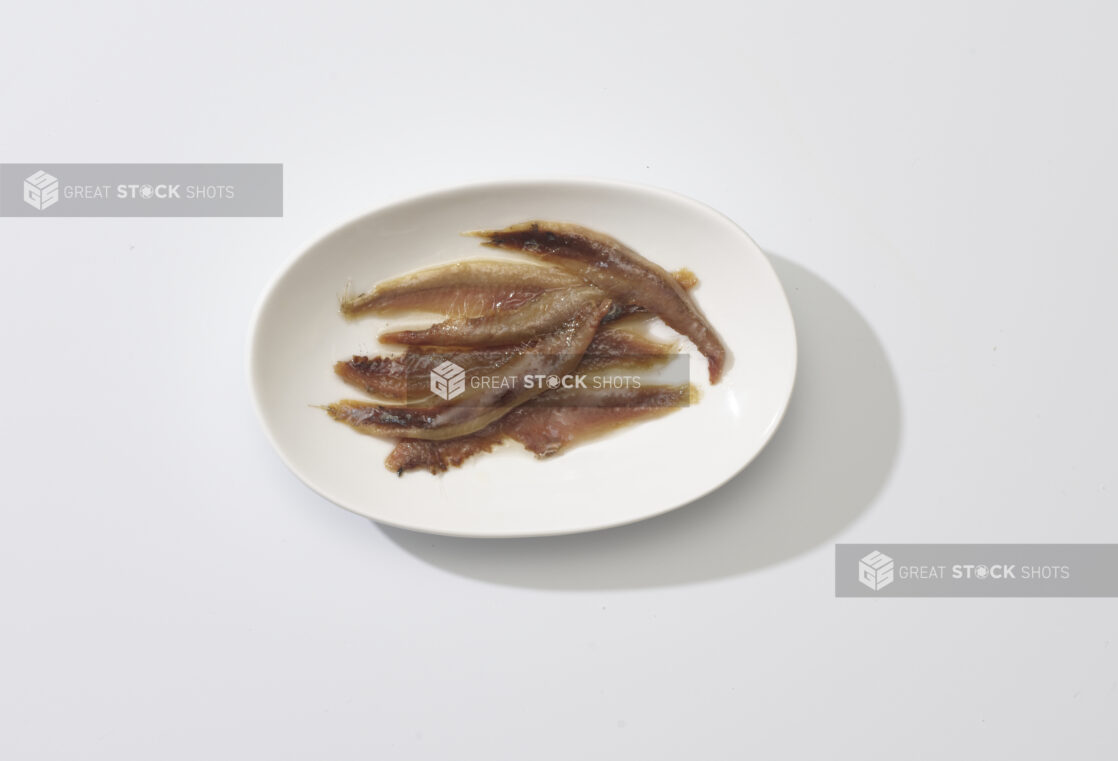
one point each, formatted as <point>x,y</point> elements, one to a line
<point>876,570</point>
<point>40,190</point>
<point>448,380</point>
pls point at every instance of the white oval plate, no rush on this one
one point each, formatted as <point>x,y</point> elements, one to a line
<point>634,473</point>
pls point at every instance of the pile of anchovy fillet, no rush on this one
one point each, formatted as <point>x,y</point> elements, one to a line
<point>577,308</point>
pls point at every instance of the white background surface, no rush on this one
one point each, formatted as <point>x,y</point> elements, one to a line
<point>936,184</point>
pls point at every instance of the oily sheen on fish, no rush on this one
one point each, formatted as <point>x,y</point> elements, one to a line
<point>467,288</point>
<point>556,354</point>
<point>546,425</point>
<point>621,272</point>
<point>542,313</point>
<point>406,377</point>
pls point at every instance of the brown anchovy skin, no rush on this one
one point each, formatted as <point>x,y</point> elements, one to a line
<point>545,426</point>
<point>619,271</point>
<point>406,377</point>
<point>616,347</point>
<point>471,287</point>
<point>439,456</point>
<point>541,314</point>
<point>555,354</point>
<point>548,428</point>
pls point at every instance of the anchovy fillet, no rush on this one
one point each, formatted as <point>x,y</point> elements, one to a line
<point>625,275</point>
<point>541,314</point>
<point>471,287</point>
